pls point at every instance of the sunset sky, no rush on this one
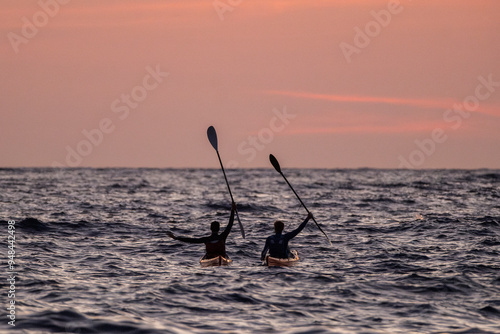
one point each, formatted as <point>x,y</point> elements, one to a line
<point>322,84</point>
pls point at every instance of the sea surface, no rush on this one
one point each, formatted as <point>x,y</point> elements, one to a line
<point>413,251</point>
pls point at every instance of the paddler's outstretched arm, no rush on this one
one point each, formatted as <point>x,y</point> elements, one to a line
<point>188,240</point>
<point>231,221</point>
<point>293,234</point>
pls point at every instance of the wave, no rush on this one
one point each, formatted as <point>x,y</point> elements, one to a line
<point>490,176</point>
<point>71,321</point>
<point>489,221</point>
<point>33,224</point>
<point>490,311</point>
<point>36,225</point>
<point>381,199</point>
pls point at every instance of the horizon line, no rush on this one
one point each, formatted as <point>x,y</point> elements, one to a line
<point>250,168</point>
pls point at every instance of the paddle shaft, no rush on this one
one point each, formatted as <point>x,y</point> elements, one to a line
<point>230,194</point>
<point>305,207</point>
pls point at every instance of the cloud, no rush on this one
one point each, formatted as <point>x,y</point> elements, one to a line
<point>439,104</point>
<point>397,128</point>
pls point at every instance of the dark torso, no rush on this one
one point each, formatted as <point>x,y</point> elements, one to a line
<point>278,246</point>
<point>215,247</point>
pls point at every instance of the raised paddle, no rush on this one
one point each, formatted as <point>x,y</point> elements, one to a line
<point>276,166</point>
<point>212,137</point>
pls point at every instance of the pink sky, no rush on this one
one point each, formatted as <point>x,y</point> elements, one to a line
<point>244,70</point>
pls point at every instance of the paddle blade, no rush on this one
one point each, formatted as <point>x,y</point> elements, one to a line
<point>212,137</point>
<point>275,163</point>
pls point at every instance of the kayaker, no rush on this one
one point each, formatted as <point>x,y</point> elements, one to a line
<point>277,244</point>
<point>215,243</point>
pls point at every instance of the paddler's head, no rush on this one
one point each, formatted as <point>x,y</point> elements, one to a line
<point>278,226</point>
<point>215,226</point>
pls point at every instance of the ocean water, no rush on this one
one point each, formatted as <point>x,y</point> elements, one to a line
<point>413,251</point>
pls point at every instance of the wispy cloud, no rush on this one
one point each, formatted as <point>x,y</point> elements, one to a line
<point>440,104</point>
<point>396,128</point>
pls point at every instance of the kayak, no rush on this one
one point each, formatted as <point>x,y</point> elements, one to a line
<point>215,261</point>
<point>276,262</point>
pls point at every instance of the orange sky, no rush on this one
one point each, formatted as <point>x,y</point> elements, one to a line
<point>271,76</point>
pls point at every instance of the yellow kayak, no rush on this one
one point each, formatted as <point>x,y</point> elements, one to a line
<point>215,261</point>
<point>276,262</point>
